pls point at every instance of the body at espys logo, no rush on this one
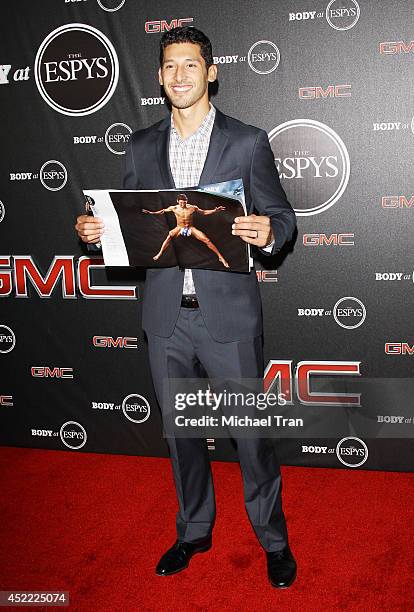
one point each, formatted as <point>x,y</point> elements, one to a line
<point>263,57</point>
<point>7,339</point>
<point>136,408</point>
<point>73,435</point>
<point>313,164</point>
<point>76,69</point>
<point>342,14</point>
<point>351,451</point>
<point>116,138</point>
<point>53,175</point>
<point>339,14</point>
<point>348,312</point>
<point>2,211</point>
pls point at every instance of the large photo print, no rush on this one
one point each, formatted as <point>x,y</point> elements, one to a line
<point>157,229</point>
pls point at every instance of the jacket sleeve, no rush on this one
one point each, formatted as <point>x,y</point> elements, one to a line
<point>130,178</point>
<point>268,196</point>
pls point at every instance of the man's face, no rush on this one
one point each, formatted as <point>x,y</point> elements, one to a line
<point>184,75</point>
<point>182,203</point>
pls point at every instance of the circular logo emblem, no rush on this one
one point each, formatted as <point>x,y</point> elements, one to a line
<point>111,5</point>
<point>53,175</point>
<point>73,435</point>
<point>349,312</point>
<point>351,451</point>
<point>136,408</point>
<point>263,57</point>
<point>2,211</point>
<point>342,14</point>
<point>117,137</point>
<point>7,339</point>
<point>313,164</point>
<point>76,69</point>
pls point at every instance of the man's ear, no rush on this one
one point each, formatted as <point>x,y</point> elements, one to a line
<point>160,77</point>
<point>212,73</point>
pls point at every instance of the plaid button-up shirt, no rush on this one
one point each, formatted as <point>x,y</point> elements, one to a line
<point>187,159</point>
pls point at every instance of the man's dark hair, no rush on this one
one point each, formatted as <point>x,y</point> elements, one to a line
<point>182,196</point>
<point>187,34</point>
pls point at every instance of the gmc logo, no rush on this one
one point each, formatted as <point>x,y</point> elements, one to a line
<point>280,374</point>
<point>393,48</point>
<point>399,348</point>
<point>328,240</point>
<point>6,400</point>
<point>110,342</point>
<point>46,372</point>
<point>266,276</point>
<point>332,91</point>
<point>397,202</point>
<point>62,270</point>
<point>153,27</point>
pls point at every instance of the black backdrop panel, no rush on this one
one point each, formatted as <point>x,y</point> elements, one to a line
<point>330,82</point>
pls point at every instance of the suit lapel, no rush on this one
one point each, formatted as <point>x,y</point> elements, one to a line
<point>218,141</point>
<point>163,138</point>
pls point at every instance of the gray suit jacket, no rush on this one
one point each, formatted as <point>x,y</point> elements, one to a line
<point>229,301</point>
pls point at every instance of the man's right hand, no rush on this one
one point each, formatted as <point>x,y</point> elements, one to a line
<point>90,229</point>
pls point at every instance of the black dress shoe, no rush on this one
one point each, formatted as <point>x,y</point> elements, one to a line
<point>281,568</point>
<point>178,556</point>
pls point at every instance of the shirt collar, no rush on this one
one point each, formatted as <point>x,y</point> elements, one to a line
<point>203,130</point>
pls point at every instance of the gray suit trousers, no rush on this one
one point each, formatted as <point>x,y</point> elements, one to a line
<point>191,352</point>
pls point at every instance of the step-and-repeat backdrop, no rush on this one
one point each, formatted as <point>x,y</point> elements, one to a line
<point>331,83</point>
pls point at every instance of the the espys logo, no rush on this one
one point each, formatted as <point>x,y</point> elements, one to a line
<point>313,164</point>
<point>351,451</point>
<point>136,405</point>
<point>342,14</point>
<point>7,339</point>
<point>2,211</point>
<point>349,312</point>
<point>111,5</point>
<point>76,69</point>
<point>73,435</point>
<point>117,137</point>
<point>263,57</point>
<point>53,175</point>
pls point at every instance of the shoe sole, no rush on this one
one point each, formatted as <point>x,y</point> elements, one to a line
<point>199,550</point>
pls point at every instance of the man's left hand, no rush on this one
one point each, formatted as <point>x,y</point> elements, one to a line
<point>254,229</point>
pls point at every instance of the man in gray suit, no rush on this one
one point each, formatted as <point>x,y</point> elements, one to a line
<point>207,322</point>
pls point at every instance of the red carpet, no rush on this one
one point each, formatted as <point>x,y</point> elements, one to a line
<point>95,525</point>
